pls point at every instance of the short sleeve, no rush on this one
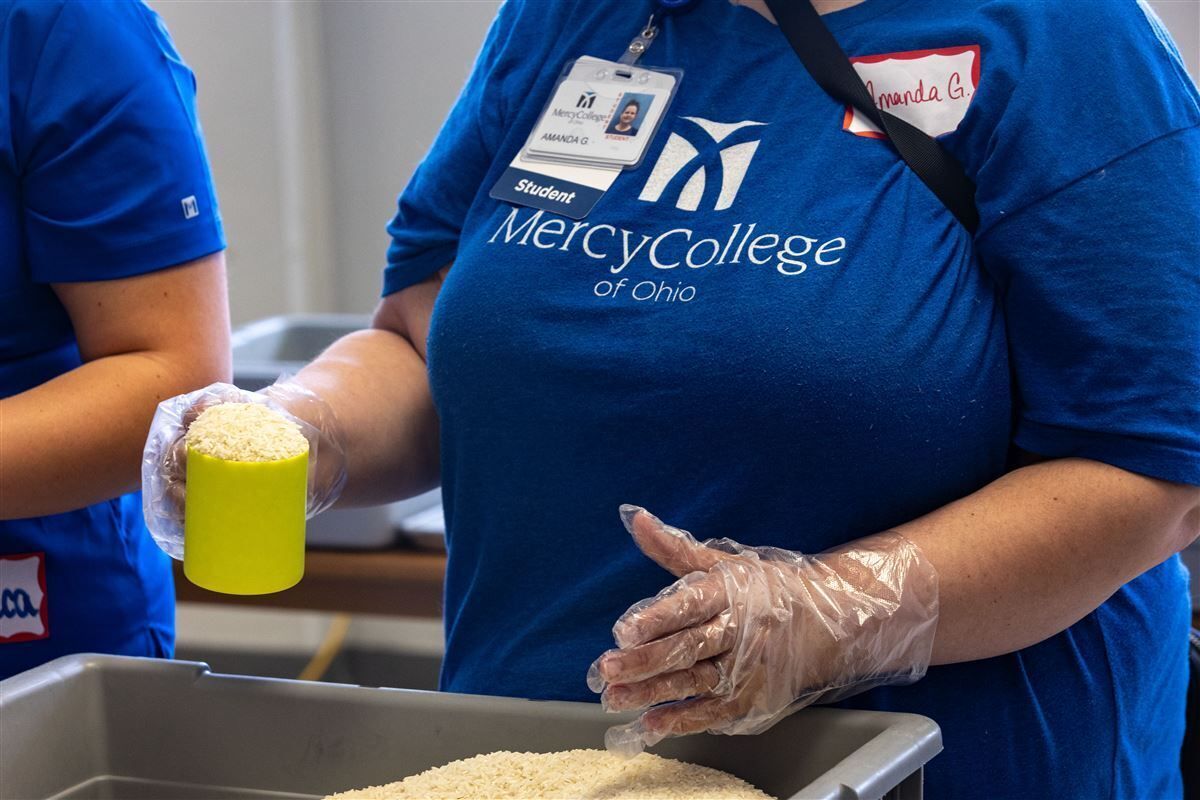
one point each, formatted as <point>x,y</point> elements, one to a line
<point>434,204</point>
<point>109,152</point>
<point>1101,288</point>
<point>1091,81</point>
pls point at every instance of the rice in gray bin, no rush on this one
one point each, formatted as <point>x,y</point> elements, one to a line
<point>574,774</point>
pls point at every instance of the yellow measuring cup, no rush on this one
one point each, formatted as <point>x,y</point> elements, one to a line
<point>243,530</point>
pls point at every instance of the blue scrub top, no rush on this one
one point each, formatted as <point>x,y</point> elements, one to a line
<point>773,331</point>
<point>102,175</point>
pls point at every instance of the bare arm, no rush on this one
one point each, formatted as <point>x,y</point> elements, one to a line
<point>77,439</point>
<point>376,383</point>
<point>1037,550</point>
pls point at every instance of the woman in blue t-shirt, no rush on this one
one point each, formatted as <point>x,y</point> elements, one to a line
<point>771,331</point>
<point>112,296</point>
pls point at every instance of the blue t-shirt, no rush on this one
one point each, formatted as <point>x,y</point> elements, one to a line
<point>773,331</point>
<point>102,176</point>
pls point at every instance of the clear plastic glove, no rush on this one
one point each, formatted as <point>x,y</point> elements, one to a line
<point>750,634</point>
<point>164,460</point>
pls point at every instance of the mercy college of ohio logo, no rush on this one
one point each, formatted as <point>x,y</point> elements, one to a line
<point>702,165</point>
<point>705,168</point>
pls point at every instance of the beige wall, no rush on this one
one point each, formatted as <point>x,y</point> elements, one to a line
<point>308,116</point>
<point>1182,18</point>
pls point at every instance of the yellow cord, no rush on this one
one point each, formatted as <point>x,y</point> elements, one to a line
<point>327,651</point>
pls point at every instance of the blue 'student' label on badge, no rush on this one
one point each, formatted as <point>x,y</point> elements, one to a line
<point>573,200</point>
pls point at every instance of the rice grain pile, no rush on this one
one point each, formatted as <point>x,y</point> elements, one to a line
<point>245,432</point>
<point>574,774</point>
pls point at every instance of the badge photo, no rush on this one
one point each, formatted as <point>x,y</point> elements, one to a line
<point>631,110</point>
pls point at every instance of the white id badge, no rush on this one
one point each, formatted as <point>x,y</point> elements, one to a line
<point>602,113</point>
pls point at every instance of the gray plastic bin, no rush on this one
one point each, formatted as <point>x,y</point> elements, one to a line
<point>114,728</point>
<point>264,349</point>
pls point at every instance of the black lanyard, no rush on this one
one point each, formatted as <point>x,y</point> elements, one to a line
<point>828,65</point>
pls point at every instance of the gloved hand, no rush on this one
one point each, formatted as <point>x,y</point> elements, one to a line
<point>164,460</point>
<point>750,634</point>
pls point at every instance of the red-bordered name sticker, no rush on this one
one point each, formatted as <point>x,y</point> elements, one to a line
<point>23,613</point>
<point>929,89</point>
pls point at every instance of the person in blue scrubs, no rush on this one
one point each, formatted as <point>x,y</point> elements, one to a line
<point>772,331</point>
<point>112,296</point>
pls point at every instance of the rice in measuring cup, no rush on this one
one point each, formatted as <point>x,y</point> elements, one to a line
<point>245,432</point>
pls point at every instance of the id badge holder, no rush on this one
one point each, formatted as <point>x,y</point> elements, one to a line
<point>602,113</point>
<point>599,121</point>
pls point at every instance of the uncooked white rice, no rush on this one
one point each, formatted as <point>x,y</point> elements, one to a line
<point>245,432</point>
<point>574,774</point>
